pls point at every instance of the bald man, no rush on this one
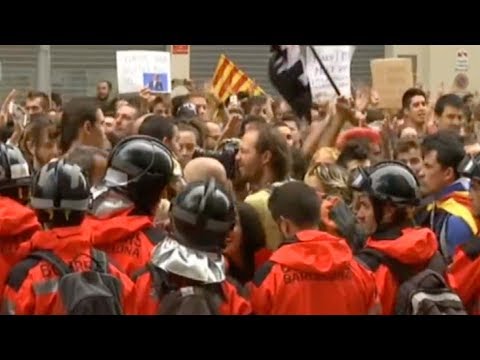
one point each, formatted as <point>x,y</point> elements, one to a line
<point>199,169</point>
<point>202,168</point>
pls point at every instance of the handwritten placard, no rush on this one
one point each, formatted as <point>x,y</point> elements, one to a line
<point>140,69</point>
<point>337,61</point>
<point>391,78</point>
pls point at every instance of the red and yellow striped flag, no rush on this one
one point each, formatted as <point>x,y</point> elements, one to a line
<point>229,79</point>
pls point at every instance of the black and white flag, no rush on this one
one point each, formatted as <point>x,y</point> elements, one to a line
<point>286,71</point>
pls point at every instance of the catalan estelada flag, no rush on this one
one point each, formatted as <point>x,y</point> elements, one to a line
<point>229,79</point>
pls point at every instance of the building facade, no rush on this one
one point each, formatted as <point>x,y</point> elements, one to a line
<point>436,64</point>
<point>73,70</point>
<point>253,60</point>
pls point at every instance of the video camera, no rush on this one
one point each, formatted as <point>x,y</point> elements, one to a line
<point>225,154</point>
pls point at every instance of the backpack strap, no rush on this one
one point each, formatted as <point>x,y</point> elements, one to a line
<point>241,290</point>
<point>369,258</point>
<point>155,235</point>
<point>159,280</point>
<point>214,295</point>
<point>139,272</point>
<point>372,257</point>
<point>100,261</point>
<point>438,264</point>
<point>472,248</point>
<point>20,271</point>
<point>50,257</point>
<point>442,237</point>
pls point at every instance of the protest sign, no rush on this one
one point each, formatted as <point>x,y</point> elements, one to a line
<point>337,60</point>
<point>143,69</point>
<point>462,62</point>
<point>391,78</point>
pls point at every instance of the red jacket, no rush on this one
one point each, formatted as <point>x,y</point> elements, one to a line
<point>464,275</point>
<point>316,275</point>
<point>38,293</point>
<point>17,224</point>
<point>122,238</point>
<point>146,303</point>
<point>413,247</point>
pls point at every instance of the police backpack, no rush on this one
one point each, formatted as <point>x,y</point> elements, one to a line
<point>189,300</point>
<point>422,292</point>
<point>93,292</point>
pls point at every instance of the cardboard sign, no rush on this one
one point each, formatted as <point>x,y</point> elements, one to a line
<point>141,69</point>
<point>180,49</point>
<point>391,78</point>
<point>462,62</point>
<point>337,60</point>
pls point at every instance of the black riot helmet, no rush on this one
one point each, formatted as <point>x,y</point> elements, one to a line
<point>203,214</point>
<point>388,181</point>
<point>470,167</point>
<point>60,194</point>
<point>140,167</point>
<point>14,173</point>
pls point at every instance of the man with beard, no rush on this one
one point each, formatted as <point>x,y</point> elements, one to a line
<point>37,102</point>
<point>264,161</point>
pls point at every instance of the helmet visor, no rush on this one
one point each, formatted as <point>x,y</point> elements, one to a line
<point>359,180</point>
<point>469,168</point>
<point>115,178</point>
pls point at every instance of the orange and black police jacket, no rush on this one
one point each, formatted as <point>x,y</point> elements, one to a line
<point>314,275</point>
<point>34,290</point>
<point>127,239</point>
<point>17,225</point>
<point>464,275</point>
<point>414,247</point>
<point>146,301</point>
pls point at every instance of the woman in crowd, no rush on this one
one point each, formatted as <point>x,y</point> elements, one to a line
<point>330,179</point>
<point>245,249</point>
<point>39,141</point>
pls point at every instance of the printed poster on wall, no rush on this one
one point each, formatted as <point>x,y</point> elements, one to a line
<point>143,69</point>
<point>337,60</point>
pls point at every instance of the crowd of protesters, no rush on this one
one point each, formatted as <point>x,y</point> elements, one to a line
<point>144,204</point>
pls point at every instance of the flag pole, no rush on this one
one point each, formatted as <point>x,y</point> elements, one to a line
<point>314,52</point>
